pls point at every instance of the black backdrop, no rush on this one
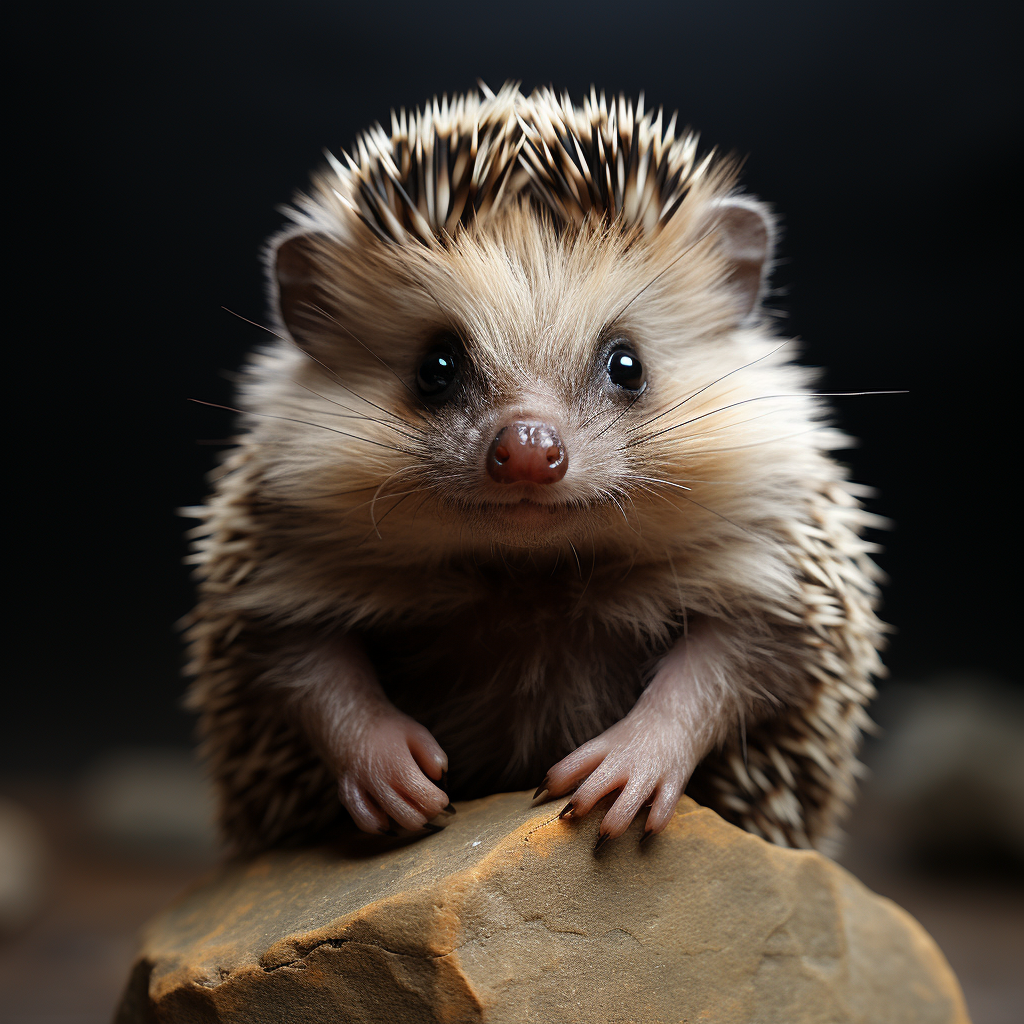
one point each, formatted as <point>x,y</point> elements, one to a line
<point>161,137</point>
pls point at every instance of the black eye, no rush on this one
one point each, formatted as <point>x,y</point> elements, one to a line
<point>437,373</point>
<point>625,370</point>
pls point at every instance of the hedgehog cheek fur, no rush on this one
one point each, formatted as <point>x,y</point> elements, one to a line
<point>661,566</point>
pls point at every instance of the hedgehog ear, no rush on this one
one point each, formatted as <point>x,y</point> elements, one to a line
<point>295,287</point>
<point>745,233</point>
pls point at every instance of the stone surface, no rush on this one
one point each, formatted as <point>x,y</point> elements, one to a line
<point>508,916</point>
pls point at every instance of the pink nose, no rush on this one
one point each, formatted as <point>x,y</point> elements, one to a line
<point>531,452</point>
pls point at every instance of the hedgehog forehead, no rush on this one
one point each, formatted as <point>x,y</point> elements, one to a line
<point>531,300</point>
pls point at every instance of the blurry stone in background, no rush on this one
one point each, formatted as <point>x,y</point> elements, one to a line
<point>24,860</point>
<point>948,772</point>
<point>153,802</point>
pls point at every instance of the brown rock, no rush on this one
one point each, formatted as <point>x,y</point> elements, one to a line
<point>508,916</point>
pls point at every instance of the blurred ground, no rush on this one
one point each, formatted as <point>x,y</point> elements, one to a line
<point>975,912</point>
<point>939,827</point>
<point>933,831</point>
<point>110,859</point>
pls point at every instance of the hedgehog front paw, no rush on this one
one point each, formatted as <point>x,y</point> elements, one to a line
<point>387,773</point>
<point>647,758</point>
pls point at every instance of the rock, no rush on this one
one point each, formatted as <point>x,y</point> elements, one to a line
<point>950,775</point>
<point>24,860</point>
<point>151,801</point>
<point>508,916</point>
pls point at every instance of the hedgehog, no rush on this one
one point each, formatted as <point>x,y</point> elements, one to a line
<point>528,488</point>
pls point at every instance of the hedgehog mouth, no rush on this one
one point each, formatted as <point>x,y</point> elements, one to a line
<point>530,517</point>
<point>528,504</point>
<point>563,506</point>
<point>526,521</point>
<point>532,509</point>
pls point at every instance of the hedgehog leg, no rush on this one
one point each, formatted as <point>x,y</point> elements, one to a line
<point>384,760</point>
<point>650,755</point>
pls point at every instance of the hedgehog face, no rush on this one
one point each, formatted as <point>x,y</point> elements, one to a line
<point>517,382</point>
<point>499,391</point>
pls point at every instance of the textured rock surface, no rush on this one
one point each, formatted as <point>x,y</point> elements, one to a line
<point>507,916</point>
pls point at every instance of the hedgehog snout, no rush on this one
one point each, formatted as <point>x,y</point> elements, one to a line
<point>527,451</point>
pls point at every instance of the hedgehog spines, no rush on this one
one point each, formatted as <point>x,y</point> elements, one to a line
<point>450,164</point>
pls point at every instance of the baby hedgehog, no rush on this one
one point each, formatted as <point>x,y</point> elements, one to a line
<point>527,488</point>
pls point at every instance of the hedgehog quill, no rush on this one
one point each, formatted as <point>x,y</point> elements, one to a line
<point>527,488</point>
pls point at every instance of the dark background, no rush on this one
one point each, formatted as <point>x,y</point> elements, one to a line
<point>885,134</point>
<point>157,141</point>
